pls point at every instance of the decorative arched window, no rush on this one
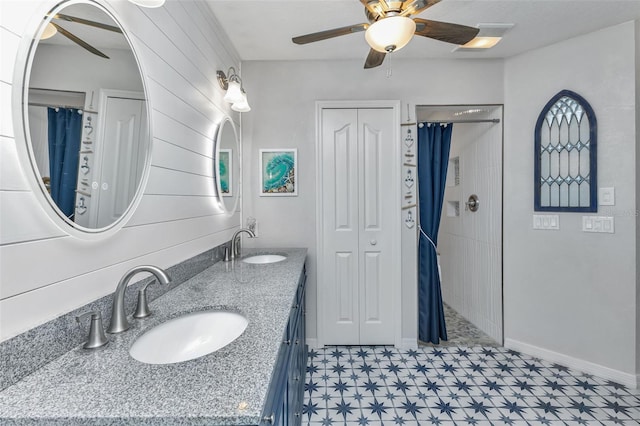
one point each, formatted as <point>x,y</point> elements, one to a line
<point>565,156</point>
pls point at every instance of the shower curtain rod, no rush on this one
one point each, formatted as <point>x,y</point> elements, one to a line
<point>54,106</point>
<point>488,120</point>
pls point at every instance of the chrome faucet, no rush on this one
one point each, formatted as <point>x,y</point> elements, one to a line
<point>119,321</point>
<point>235,250</point>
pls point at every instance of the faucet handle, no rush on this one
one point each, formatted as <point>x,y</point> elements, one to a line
<point>96,337</point>
<point>142,308</point>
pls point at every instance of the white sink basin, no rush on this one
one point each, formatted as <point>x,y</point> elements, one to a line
<point>188,337</point>
<point>264,258</point>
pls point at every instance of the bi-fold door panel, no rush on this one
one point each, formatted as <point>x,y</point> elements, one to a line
<point>377,202</point>
<point>357,210</point>
<point>340,212</point>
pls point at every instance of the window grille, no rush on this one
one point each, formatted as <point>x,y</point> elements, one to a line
<point>565,156</point>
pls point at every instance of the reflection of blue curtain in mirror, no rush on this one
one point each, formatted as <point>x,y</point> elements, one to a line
<point>65,127</point>
<point>434,144</point>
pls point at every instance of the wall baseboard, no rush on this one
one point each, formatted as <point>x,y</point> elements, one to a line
<point>312,343</point>
<point>629,380</point>
<point>408,343</point>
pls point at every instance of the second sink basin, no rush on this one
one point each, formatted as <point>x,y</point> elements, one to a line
<point>188,337</point>
<point>264,258</point>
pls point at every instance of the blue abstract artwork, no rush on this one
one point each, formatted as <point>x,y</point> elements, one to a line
<point>278,172</point>
<point>224,172</point>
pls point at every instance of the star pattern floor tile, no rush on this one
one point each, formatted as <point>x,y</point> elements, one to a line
<point>479,385</point>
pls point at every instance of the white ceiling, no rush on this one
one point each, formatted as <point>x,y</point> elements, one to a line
<point>262,29</point>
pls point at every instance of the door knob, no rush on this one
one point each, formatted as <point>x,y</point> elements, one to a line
<point>473,203</point>
<point>373,242</point>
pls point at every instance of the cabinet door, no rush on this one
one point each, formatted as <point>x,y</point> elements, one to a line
<point>359,200</point>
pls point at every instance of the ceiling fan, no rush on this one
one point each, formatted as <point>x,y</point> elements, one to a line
<point>76,39</point>
<point>391,27</point>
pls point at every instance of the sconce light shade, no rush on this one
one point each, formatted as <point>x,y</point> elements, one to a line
<point>234,92</point>
<point>235,95</point>
<point>49,31</point>
<point>390,34</point>
<point>148,3</point>
<point>242,105</point>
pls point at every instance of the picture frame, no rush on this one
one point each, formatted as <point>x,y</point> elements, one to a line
<point>278,172</point>
<point>226,172</point>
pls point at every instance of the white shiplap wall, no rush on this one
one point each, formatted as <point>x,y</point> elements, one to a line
<point>47,269</point>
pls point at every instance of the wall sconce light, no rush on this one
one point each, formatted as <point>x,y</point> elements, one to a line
<point>235,92</point>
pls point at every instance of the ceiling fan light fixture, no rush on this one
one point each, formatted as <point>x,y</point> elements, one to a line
<point>148,3</point>
<point>390,34</point>
<point>49,31</point>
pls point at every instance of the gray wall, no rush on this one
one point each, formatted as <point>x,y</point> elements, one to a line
<point>283,96</point>
<point>47,269</point>
<point>570,295</point>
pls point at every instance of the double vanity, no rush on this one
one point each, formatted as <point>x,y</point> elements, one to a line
<point>257,378</point>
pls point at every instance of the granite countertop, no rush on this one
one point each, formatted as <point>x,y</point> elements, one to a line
<point>106,386</point>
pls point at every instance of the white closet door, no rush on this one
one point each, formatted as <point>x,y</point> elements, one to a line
<point>358,199</point>
<point>341,226</point>
<point>122,157</point>
<point>376,207</point>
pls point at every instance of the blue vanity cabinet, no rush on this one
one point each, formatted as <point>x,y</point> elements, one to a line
<point>284,402</point>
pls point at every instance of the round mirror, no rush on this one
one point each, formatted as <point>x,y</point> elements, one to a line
<point>227,165</point>
<point>85,115</point>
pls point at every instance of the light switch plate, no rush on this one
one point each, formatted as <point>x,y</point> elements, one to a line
<point>546,221</point>
<point>602,224</point>
<point>607,196</point>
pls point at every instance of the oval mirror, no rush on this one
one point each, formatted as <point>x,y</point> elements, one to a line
<point>227,165</point>
<point>85,115</point>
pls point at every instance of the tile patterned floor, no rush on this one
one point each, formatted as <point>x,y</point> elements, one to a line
<point>352,385</point>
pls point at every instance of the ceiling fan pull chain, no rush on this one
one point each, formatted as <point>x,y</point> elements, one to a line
<point>389,69</point>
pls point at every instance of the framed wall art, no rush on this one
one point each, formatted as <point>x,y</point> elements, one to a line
<point>226,172</point>
<point>278,172</point>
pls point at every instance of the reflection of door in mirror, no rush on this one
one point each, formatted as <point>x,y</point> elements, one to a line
<point>104,81</point>
<point>119,160</point>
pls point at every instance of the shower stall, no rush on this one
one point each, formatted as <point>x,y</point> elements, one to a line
<point>470,234</point>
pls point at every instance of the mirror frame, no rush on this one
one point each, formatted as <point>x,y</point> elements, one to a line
<point>216,166</point>
<point>20,111</point>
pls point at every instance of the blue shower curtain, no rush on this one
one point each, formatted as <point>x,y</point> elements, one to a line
<point>65,127</point>
<point>434,143</point>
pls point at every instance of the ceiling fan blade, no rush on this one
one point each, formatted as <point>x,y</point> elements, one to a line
<point>374,59</point>
<point>413,7</point>
<point>323,35</point>
<point>444,31</point>
<point>100,25</point>
<point>78,41</point>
